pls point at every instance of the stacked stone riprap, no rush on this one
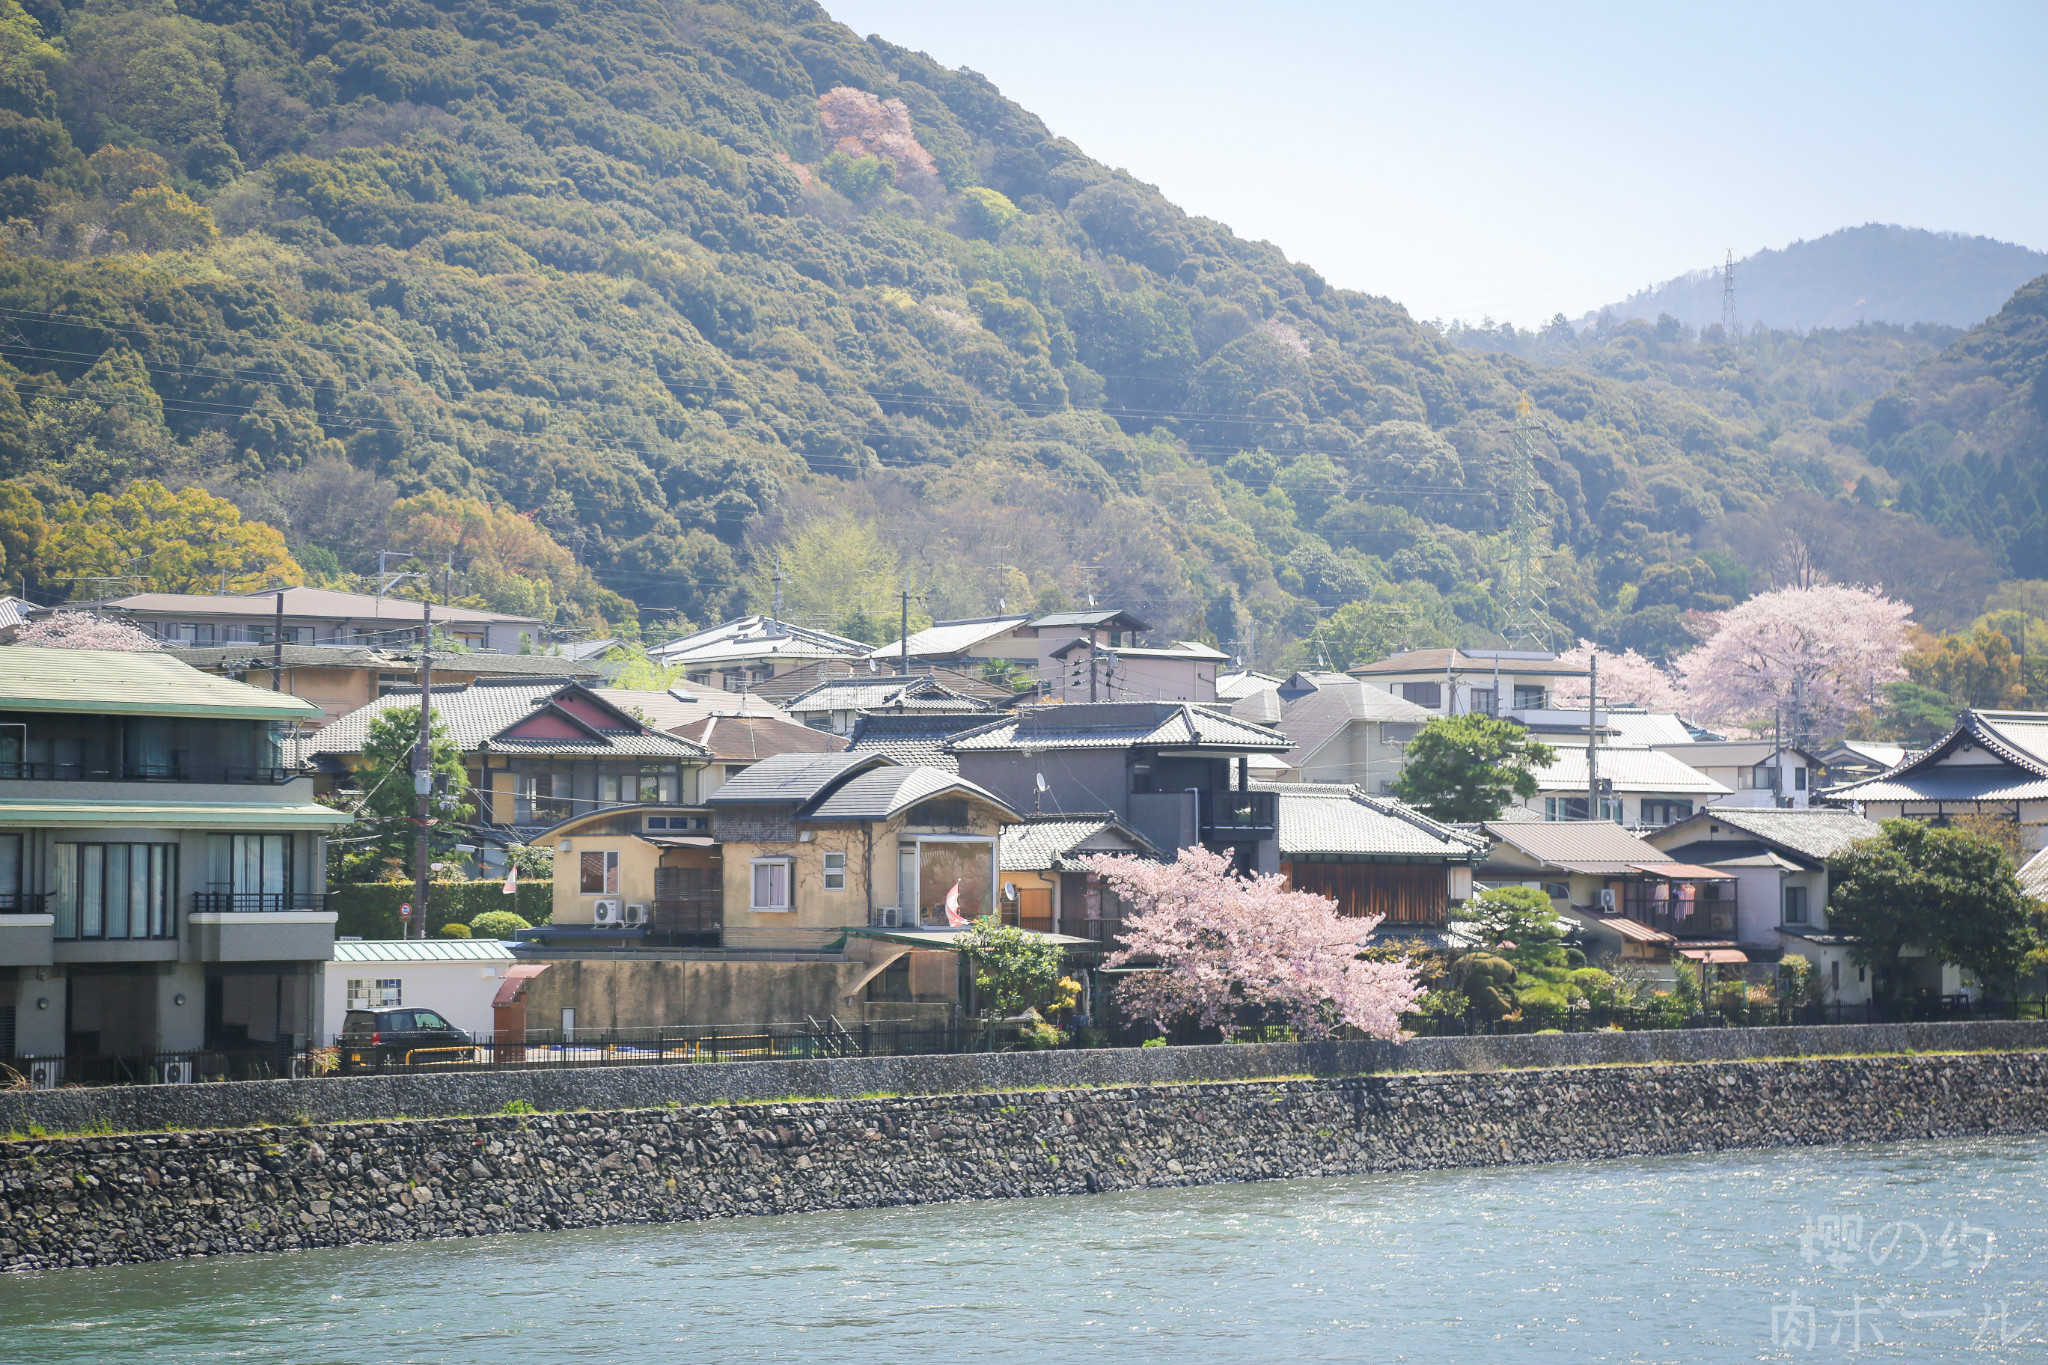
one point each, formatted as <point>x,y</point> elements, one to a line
<point>105,1200</point>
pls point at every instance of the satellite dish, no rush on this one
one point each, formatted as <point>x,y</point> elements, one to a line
<point>1040,778</point>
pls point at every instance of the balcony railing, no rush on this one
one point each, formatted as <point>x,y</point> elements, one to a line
<point>256,902</point>
<point>1240,815</point>
<point>145,772</point>
<point>23,903</point>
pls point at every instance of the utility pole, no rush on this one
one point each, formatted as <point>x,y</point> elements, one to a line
<point>775,612</point>
<point>1091,665</point>
<point>904,643</point>
<point>277,646</point>
<point>1728,323</point>
<point>1592,738</point>
<point>423,772</point>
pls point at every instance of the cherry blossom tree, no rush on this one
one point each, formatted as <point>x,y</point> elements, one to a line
<point>1813,656</point>
<point>85,630</point>
<point>1224,943</point>
<point>1626,679</point>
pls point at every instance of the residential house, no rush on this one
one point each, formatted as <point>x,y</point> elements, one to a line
<point>162,868</point>
<point>737,743</point>
<point>1628,898</point>
<point>340,678</point>
<point>1343,731</point>
<point>837,706</point>
<point>746,652</point>
<point>965,644</point>
<point>1176,773</point>
<point>1082,670</point>
<point>677,707</point>
<point>457,978</point>
<point>1375,857</point>
<point>1643,787</point>
<point>1756,772</point>
<point>1778,858</point>
<point>1047,885</point>
<point>1633,729</point>
<point>1852,760</point>
<point>915,738</point>
<point>1991,763</point>
<point>1495,682</point>
<point>797,681</point>
<point>1240,683</point>
<point>313,616</point>
<point>538,752</point>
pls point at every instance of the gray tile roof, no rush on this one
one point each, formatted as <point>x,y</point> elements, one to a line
<point>1630,770</point>
<point>476,713</point>
<point>1314,718</point>
<point>1576,841</point>
<point>917,738</point>
<point>213,658</point>
<point>792,779</point>
<point>2018,738</point>
<point>911,693</point>
<point>1814,833</point>
<point>879,794</point>
<point>1331,819</point>
<point>798,681</point>
<point>1118,725</point>
<point>2034,876</point>
<point>756,637</point>
<point>749,739</point>
<point>948,639</point>
<point>1046,843</point>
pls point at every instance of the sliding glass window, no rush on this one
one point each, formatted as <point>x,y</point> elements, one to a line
<point>115,891</point>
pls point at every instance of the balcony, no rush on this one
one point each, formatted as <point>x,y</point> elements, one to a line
<point>24,903</point>
<point>256,902</point>
<point>1238,816</point>
<point>145,772</point>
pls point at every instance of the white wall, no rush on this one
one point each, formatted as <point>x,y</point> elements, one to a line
<point>460,991</point>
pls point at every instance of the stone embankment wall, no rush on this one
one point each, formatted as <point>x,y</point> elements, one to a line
<point>335,1099</point>
<point>98,1201</point>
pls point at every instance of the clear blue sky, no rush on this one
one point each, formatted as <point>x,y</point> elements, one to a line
<point>1520,160</point>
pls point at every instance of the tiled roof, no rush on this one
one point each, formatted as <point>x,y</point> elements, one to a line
<point>1988,783</point>
<point>1630,770</point>
<point>1313,718</point>
<point>1044,843</point>
<point>478,662</point>
<point>423,950</point>
<point>1464,661</point>
<point>1231,686</point>
<point>1576,841</point>
<point>1327,818</point>
<point>2018,738</point>
<point>1814,833</point>
<point>321,602</point>
<point>792,779</point>
<point>1100,619</point>
<point>1653,729</point>
<point>756,637</point>
<point>948,639</point>
<point>1117,725</point>
<point>1730,753</point>
<point>140,683</point>
<point>476,713</point>
<point>1179,649</point>
<point>2034,876</point>
<point>914,737</point>
<point>674,709</point>
<point>900,693</point>
<point>880,794</point>
<point>798,681</point>
<point>749,739</point>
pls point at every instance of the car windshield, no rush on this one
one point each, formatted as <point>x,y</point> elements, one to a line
<point>429,1019</point>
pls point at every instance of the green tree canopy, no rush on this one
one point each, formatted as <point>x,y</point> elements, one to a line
<point>1949,892</point>
<point>1469,767</point>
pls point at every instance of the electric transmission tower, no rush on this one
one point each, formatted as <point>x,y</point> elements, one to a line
<point>1728,323</point>
<point>1525,616</point>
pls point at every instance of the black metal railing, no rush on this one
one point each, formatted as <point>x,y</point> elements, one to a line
<point>148,772</point>
<point>1240,815</point>
<point>1767,1014</point>
<point>23,903</point>
<point>256,902</point>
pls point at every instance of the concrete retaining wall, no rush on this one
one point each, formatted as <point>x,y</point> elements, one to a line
<point>244,1104</point>
<point>99,1201</point>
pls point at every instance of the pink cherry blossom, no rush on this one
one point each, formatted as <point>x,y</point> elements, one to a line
<point>1821,652</point>
<point>86,630</point>
<point>1626,679</point>
<point>1224,942</point>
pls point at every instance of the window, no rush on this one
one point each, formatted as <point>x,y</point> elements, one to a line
<point>113,891</point>
<point>1484,701</point>
<point>1557,891</point>
<point>1529,698</point>
<point>428,1019</point>
<point>1835,976</point>
<point>1666,812</point>
<point>1799,779</point>
<point>1762,778</point>
<point>835,871</point>
<point>598,873</point>
<point>248,872</point>
<point>771,884</point>
<point>1795,905</point>
<point>374,993</point>
<point>1574,808</point>
<point>1429,696</point>
<point>818,720</point>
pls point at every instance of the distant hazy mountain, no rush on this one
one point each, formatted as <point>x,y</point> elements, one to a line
<point>1873,273</point>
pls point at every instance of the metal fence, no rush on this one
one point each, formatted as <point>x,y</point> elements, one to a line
<point>1780,1014</point>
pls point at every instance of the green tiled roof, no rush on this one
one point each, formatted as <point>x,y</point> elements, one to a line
<point>111,682</point>
<point>58,814</point>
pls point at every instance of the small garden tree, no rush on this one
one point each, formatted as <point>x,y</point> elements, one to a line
<point>1014,969</point>
<point>1949,892</point>
<point>1225,944</point>
<point>377,844</point>
<point>1468,767</point>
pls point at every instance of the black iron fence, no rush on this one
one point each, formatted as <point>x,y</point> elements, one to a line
<point>256,902</point>
<point>1778,1014</point>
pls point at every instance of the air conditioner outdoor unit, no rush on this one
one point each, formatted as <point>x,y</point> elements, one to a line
<point>45,1075</point>
<point>888,913</point>
<point>607,914</point>
<point>636,916</point>
<point>177,1071</point>
<point>1606,898</point>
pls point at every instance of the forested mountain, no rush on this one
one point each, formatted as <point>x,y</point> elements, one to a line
<point>614,303</point>
<point>1874,273</point>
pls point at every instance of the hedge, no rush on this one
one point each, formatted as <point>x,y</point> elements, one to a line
<point>370,909</point>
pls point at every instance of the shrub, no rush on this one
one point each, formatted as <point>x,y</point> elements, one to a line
<point>497,924</point>
<point>456,930</point>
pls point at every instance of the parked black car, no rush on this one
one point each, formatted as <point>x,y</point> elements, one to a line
<point>372,1040</point>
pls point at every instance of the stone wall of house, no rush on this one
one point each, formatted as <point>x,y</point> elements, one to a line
<point>104,1200</point>
<point>335,1099</point>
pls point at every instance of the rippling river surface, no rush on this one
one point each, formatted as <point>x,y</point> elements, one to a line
<point>1920,1251</point>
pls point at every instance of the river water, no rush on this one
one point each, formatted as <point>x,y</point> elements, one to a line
<point>1920,1251</point>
